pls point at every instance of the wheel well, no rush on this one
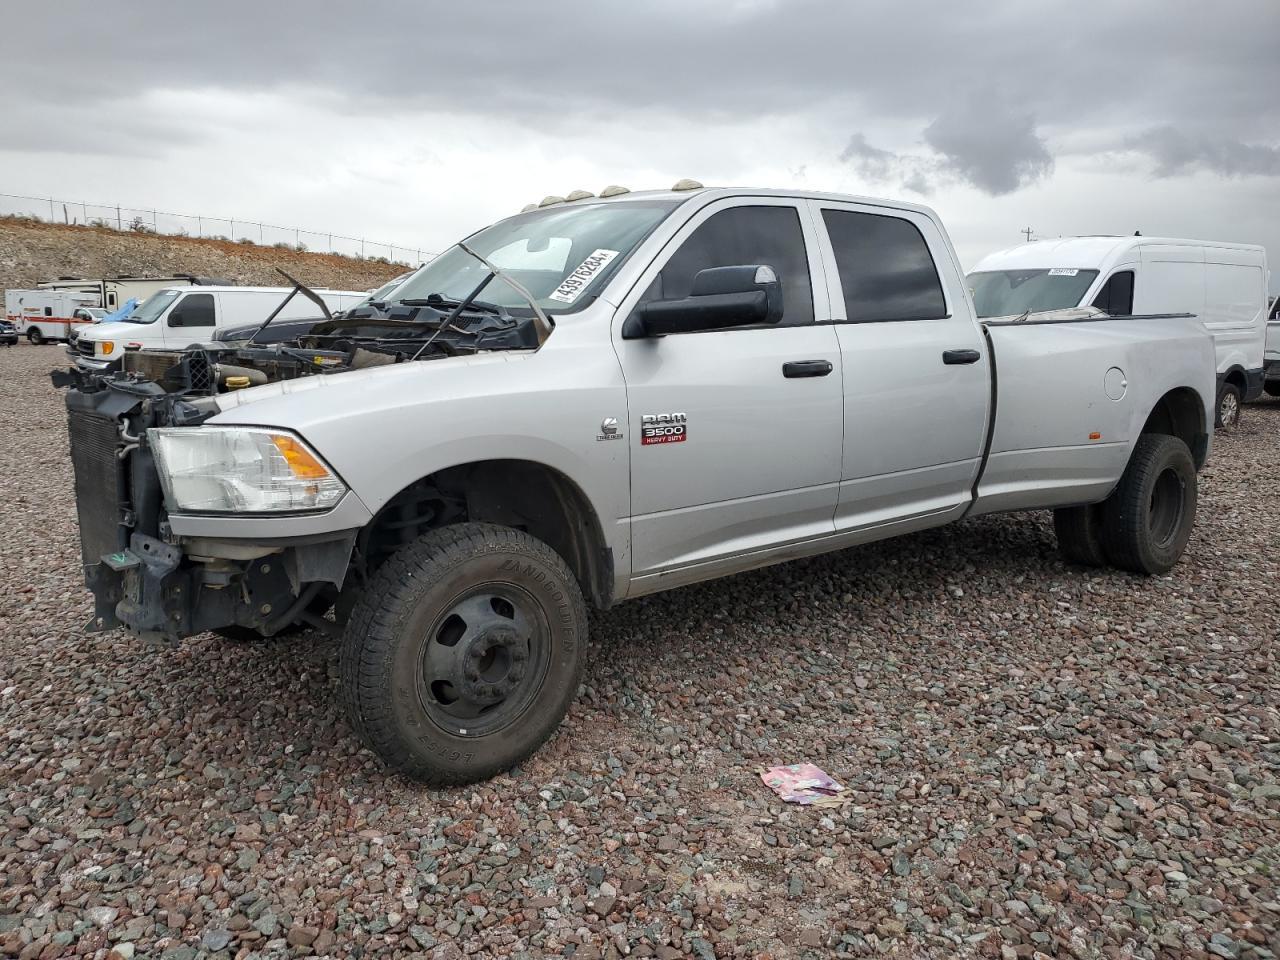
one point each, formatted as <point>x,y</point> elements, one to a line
<point>1180,413</point>
<point>521,494</point>
<point>1236,377</point>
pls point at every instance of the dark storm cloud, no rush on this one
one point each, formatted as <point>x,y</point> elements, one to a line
<point>1175,152</point>
<point>878,166</point>
<point>989,146</point>
<point>979,142</point>
<point>872,162</point>
<point>557,64</point>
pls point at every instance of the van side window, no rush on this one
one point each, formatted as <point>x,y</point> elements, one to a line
<point>1116,296</point>
<point>48,311</point>
<point>885,268</point>
<point>769,236</point>
<point>195,310</point>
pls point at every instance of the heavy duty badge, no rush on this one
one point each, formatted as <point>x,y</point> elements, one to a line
<point>663,428</point>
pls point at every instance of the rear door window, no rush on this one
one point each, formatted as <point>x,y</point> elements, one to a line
<point>886,270</point>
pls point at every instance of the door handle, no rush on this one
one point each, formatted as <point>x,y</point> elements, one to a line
<point>960,356</point>
<point>806,368</point>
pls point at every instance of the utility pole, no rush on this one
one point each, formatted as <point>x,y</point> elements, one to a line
<point>1027,231</point>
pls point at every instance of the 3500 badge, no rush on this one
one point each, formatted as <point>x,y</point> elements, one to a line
<point>663,428</point>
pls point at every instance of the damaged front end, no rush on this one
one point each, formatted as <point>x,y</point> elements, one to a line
<point>167,576</point>
<point>143,576</point>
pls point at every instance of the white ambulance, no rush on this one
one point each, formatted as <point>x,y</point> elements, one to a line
<point>48,315</point>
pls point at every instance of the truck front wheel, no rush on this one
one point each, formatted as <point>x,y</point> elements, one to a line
<point>463,653</point>
<point>1147,520</point>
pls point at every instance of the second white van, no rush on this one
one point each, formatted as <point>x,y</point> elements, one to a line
<point>1224,284</point>
<point>177,317</point>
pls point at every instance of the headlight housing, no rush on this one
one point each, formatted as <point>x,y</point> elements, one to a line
<point>241,470</point>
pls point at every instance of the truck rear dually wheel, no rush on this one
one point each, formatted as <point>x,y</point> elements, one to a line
<point>35,336</point>
<point>1079,531</point>
<point>1147,520</point>
<point>463,653</point>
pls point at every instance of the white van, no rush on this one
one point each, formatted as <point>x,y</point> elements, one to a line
<point>1224,284</point>
<point>1271,359</point>
<point>177,317</point>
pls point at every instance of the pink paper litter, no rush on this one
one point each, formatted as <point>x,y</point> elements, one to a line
<point>803,783</point>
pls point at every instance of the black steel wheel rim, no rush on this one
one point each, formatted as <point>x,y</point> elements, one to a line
<point>1164,512</point>
<point>483,660</point>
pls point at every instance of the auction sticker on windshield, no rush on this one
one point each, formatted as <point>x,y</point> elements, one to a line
<point>572,286</point>
<point>1063,272</point>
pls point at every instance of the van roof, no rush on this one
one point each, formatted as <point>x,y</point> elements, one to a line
<point>276,290</point>
<point>1091,253</point>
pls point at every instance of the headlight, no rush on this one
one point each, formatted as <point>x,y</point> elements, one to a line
<point>241,470</point>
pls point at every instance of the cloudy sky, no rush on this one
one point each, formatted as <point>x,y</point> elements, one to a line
<point>418,122</point>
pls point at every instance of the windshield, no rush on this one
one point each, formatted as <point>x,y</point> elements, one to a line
<point>564,255</point>
<point>1006,293</point>
<point>153,306</point>
<point>383,291</point>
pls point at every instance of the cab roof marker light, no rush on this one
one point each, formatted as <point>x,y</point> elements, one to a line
<point>613,190</point>
<point>528,206</point>
<point>551,201</point>
<point>579,195</point>
<point>687,184</point>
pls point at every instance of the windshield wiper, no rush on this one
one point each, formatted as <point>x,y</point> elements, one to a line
<point>438,300</point>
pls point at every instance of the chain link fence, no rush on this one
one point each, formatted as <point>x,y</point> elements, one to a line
<point>150,220</point>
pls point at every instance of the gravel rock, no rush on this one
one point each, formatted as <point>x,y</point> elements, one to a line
<point>1039,759</point>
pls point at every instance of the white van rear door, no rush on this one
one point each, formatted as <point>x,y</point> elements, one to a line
<point>1235,306</point>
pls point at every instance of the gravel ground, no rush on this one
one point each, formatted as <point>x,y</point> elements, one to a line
<point>1042,760</point>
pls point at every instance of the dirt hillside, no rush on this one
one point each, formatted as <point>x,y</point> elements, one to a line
<point>31,251</point>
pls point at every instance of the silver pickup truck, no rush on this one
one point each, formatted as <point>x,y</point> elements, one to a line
<point>597,399</point>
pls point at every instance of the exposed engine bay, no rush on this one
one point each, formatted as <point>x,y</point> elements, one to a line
<point>161,587</point>
<point>375,335</point>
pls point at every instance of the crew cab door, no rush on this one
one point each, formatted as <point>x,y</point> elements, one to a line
<point>917,374</point>
<point>744,449</point>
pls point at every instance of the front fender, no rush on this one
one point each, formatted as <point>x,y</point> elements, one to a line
<point>382,429</point>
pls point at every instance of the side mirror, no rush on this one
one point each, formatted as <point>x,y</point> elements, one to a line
<point>175,319</point>
<point>736,296</point>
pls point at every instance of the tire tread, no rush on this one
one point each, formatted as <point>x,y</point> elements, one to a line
<point>1079,531</point>
<point>368,643</point>
<point>1124,532</point>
